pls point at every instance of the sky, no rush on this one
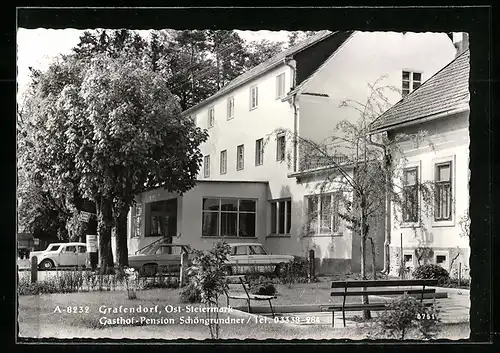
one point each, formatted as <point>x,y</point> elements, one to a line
<point>38,47</point>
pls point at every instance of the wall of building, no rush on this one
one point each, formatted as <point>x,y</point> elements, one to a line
<point>364,59</point>
<point>189,213</point>
<point>450,141</point>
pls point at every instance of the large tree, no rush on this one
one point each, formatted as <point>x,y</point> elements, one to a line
<point>260,51</point>
<point>110,126</point>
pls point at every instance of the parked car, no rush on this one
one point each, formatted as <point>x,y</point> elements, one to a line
<point>61,255</point>
<point>159,257</point>
<point>253,257</point>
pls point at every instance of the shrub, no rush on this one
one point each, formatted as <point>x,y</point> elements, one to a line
<point>430,271</point>
<point>208,276</point>
<point>453,283</point>
<point>262,286</point>
<point>296,271</point>
<point>25,287</point>
<point>403,315</point>
<point>161,282</point>
<point>191,294</point>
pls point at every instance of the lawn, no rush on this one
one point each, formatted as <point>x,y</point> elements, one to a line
<point>39,317</point>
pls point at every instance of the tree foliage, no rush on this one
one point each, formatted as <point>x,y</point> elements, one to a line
<point>106,127</point>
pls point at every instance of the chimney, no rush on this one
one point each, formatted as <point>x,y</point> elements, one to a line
<point>462,44</point>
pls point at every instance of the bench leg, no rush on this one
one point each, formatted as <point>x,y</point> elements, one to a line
<point>333,318</point>
<point>248,304</point>
<point>271,306</point>
<point>343,316</point>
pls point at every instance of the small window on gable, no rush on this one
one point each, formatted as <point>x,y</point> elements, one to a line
<point>411,81</point>
<point>230,108</point>
<point>211,117</point>
<point>254,97</point>
<point>280,85</point>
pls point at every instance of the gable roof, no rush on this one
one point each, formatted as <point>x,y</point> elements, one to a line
<point>446,91</point>
<point>263,67</point>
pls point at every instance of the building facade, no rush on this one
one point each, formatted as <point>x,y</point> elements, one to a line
<point>430,228</point>
<point>248,157</point>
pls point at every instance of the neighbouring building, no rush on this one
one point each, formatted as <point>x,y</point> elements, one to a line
<point>429,230</point>
<point>245,190</point>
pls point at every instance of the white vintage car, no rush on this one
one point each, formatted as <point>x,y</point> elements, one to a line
<point>61,255</point>
<point>252,257</point>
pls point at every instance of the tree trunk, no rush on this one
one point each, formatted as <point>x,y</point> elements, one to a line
<point>104,225</point>
<point>366,313</point>
<point>374,254</point>
<point>121,234</point>
<point>387,238</point>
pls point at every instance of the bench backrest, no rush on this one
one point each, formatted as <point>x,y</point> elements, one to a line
<point>384,283</point>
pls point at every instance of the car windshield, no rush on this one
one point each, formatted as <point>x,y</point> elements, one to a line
<point>146,250</point>
<point>257,250</point>
<point>53,247</point>
<point>164,249</point>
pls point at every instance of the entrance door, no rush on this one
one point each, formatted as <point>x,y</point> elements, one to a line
<point>162,219</point>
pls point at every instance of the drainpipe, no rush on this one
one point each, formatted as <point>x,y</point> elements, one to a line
<point>290,62</point>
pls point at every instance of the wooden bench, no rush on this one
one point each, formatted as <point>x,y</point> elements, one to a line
<point>361,288</point>
<point>249,296</point>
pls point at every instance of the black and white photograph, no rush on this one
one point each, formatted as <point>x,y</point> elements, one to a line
<point>243,184</point>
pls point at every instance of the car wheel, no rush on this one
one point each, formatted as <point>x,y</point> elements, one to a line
<point>46,264</point>
<point>149,269</point>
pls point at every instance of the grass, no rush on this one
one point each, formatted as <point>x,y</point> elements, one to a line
<point>38,317</point>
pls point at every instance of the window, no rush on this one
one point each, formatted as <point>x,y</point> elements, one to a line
<point>259,152</point>
<point>136,232</point>
<point>257,250</point>
<point>280,86</point>
<point>408,260</point>
<point>70,249</point>
<point>230,108</point>
<point>240,160</point>
<point>440,259</point>
<point>239,250</point>
<point>443,202</point>
<point>323,214</point>
<point>206,166</point>
<point>410,194</point>
<point>211,117</point>
<point>161,218</point>
<point>411,81</point>
<point>228,217</point>
<point>82,249</point>
<point>280,147</point>
<point>281,216</point>
<point>254,97</point>
<point>223,162</point>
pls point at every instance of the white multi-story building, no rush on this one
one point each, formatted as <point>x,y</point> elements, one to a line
<point>430,230</point>
<point>247,190</point>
